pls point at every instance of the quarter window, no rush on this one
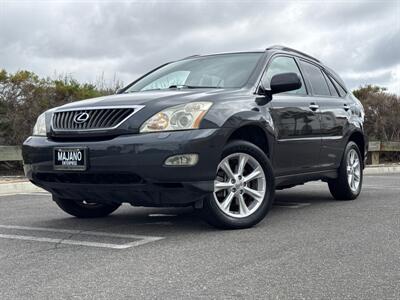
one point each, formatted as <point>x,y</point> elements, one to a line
<point>331,86</point>
<point>342,91</point>
<point>283,64</point>
<point>316,78</point>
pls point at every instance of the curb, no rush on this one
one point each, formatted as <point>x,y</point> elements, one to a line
<point>382,169</point>
<point>17,187</point>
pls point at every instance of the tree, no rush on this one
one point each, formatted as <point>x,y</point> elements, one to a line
<point>382,112</point>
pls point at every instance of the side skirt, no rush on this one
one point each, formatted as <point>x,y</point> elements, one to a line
<point>288,181</point>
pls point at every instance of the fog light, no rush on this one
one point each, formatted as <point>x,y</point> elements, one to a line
<point>182,160</point>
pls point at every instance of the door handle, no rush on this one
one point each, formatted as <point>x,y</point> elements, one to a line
<point>346,107</point>
<point>314,106</point>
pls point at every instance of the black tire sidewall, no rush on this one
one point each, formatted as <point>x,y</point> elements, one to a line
<point>352,145</point>
<point>340,187</point>
<point>216,216</point>
<point>76,209</point>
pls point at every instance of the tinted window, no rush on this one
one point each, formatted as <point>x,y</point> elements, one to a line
<point>283,64</point>
<point>316,78</point>
<point>331,86</point>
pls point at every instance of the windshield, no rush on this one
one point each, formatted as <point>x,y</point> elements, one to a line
<point>215,71</point>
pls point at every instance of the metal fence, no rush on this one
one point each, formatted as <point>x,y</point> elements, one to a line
<point>10,153</point>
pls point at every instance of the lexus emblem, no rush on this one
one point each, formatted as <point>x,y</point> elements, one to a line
<point>81,118</point>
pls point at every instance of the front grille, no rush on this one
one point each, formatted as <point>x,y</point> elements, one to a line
<point>90,119</point>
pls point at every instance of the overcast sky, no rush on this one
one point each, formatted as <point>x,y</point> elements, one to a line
<point>359,39</point>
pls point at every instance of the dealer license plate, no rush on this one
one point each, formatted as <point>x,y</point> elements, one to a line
<point>70,159</point>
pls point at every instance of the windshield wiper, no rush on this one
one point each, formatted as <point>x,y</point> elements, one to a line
<point>174,86</point>
<point>179,86</point>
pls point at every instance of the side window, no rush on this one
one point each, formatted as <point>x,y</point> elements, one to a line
<point>332,88</point>
<point>342,91</point>
<point>283,64</point>
<point>316,78</point>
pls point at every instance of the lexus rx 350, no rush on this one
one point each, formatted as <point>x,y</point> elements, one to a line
<point>218,132</point>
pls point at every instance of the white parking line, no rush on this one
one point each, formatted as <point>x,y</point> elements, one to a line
<point>141,239</point>
<point>161,215</point>
<point>32,194</point>
<point>290,204</point>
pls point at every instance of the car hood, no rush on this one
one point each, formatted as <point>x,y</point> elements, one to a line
<point>152,102</point>
<point>156,99</point>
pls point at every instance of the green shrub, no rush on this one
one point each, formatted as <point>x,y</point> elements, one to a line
<point>24,95</point>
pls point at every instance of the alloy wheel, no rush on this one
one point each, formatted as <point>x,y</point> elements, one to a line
<point>353,170</point>
<point>240,185</point>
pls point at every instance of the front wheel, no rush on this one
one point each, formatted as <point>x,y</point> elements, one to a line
<point>243,188</point>
<point>349,182</point>
<point>83,209</point>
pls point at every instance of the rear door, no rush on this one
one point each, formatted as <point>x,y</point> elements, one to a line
<point>335,114</point>
<point>296,123</point>
<point>322,95</point>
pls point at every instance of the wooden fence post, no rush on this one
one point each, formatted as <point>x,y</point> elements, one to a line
<point>374,148</point>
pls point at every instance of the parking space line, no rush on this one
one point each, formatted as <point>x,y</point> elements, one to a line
<point>162,215</point>
<point>32,194</point>
<point>290,204</point>
<point>140,239</point>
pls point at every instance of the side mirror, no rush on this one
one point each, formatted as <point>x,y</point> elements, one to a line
<point>285,82</point>
<point>119,91</point>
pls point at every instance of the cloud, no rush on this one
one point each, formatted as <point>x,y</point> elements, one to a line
<point>127,38</point>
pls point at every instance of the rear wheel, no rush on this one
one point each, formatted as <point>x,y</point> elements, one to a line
<point>243,188</point>
<point>83,209</point>
<point>349,182</point>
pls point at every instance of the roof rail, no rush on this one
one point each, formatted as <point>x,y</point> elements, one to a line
<point>283,48</point>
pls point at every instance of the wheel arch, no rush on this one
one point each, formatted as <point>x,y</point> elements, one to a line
<point>359,138</point>
<point>255,134</point>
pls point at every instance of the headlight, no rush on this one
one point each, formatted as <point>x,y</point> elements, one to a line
<point>40,126</point>
<point>180,117</point>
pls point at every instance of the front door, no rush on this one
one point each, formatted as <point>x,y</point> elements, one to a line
<point>296,120</point>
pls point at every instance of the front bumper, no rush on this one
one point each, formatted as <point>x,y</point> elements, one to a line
<point>130,168</point>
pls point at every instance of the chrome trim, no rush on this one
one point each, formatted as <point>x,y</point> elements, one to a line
<point>335,137</point>
<point>79,118</point>
<point>136,108</point>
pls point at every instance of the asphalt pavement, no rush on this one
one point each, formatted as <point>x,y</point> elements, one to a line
<point>308,247</point>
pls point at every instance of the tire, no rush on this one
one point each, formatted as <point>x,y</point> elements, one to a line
<point>235,205</point>
<point>349,182</point>
<point>82,209</point>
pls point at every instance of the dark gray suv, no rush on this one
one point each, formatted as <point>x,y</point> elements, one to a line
<point>218,132</point>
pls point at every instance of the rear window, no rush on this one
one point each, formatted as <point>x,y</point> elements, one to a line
<point>316,78</point>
